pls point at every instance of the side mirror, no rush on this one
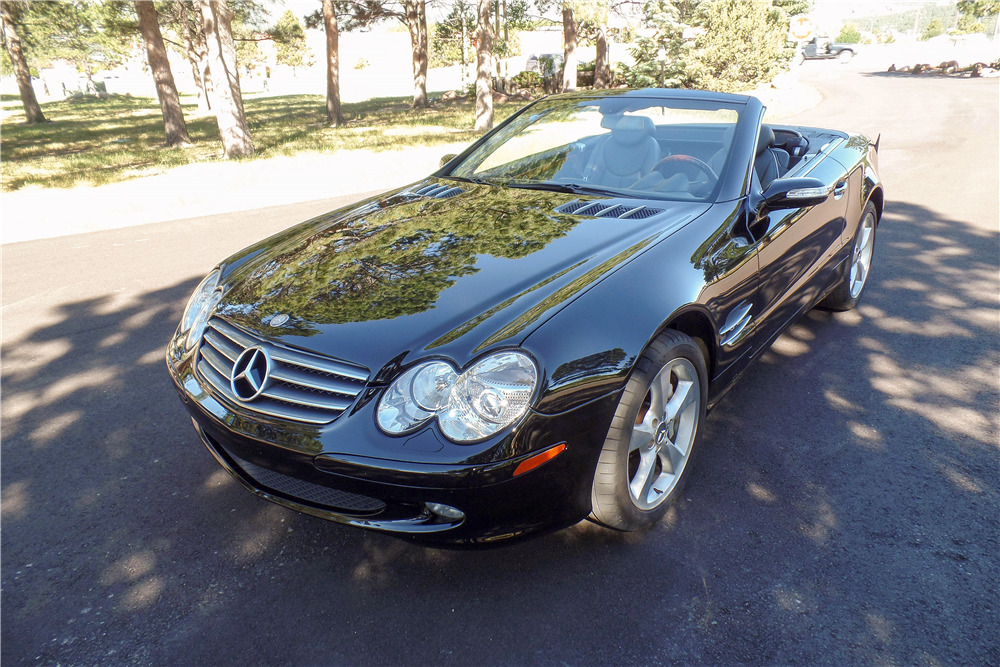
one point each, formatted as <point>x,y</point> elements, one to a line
<point>448,158</point>
<point>795,193</point>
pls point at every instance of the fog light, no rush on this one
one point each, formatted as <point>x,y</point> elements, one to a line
<point>446,511</point>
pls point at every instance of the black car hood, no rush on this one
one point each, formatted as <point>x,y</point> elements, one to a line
<point>405,276</point>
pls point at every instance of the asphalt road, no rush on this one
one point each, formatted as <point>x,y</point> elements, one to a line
<point>844,509</point>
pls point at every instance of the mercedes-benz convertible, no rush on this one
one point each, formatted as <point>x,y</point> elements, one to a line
<point>533,335</point>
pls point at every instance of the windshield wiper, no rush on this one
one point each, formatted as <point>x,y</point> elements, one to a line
<point>477,181</point>
<point>576,189</point>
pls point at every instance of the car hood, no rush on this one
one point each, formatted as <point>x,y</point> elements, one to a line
<point>408,275</point>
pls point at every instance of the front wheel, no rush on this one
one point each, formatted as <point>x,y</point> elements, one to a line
<point>847,293</point>
<point>647,454</point>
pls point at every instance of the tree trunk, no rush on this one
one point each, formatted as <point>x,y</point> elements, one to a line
<point>601,78</point>
<point>416,22</point>
<point>216,19</point>
<point>12,44</point>
<point>569,60</point>
<point>173,117</point>
<point>224,30</point>
<point>484,78</point>
<point>465,57</point>
<point>334,116</point>
<point>195,58</point>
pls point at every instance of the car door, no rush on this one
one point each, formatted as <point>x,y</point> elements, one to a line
<point>796,249</point>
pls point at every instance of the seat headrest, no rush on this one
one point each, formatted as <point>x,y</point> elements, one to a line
<point>766,139</point>
<point>628,130</point>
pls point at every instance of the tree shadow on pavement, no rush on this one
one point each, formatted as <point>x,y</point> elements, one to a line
<point>843,510</point>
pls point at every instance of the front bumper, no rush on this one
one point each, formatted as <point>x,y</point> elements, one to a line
<point>391,495</point>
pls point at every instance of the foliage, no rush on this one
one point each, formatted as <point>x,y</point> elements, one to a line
<point>446,46</point>
<point>647,72</point>
<point>290,42</point>
<point>933,29</point>
<point>849,34</point>
<point>74,32</point>
<point>903,21</point>
<point>744,44</point>
<point>93,141</point>
<point>528,80</point>
<point>968,25</point>
<point>979,8</point>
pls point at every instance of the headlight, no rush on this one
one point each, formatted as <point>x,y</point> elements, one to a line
<point>199,307</point>
<point>488,397</point>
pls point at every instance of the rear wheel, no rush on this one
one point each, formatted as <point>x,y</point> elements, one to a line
<point>845,57</point>
<point>847,293</point>
<point>647,454</point>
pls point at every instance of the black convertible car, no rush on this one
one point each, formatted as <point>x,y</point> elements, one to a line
<point>534,334</point>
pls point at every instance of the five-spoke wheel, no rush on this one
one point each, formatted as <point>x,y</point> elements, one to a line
<point>648,451</point>
<point>846,294</point>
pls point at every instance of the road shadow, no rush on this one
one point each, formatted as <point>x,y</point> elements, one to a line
<point>843,510</point>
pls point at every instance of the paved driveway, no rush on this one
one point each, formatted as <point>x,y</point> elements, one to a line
<point>844,509</point>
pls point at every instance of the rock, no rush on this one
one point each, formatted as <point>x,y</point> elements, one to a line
<point>892,67</point>
<point>450,95</point>
<point>101,95</point>
<point>949,65</point>
<point>977,70</point>
<point>500,98</point>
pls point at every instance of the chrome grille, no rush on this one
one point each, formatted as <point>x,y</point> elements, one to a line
<point>302,387</point>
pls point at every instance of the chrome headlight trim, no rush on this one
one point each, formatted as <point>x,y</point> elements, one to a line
<point>489,396</point>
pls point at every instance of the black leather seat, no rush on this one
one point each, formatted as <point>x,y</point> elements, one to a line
<point>771,162</point>
<point>627,154</point>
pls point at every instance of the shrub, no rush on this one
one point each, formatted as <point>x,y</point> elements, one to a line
<point>529,80</point>
<point>933,29</point>
<point>849,34</point>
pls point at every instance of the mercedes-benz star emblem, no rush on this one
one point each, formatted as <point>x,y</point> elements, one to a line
<point>250,373</point>
<point>279,319</point>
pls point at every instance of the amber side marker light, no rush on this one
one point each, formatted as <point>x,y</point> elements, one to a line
<point>528,465</point>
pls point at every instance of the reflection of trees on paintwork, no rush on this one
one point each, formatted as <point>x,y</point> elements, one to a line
<point>562,295</point>
<point>602,363</point>
<point>395,260</point>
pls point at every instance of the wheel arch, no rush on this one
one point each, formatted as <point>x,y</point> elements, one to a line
<point>877,197</point>
<point>697,324</point>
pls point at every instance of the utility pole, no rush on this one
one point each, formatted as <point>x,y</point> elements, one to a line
<point>916,22</point>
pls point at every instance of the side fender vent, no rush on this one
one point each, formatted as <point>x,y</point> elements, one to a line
<point>438,191</point>
<point>598,209</point>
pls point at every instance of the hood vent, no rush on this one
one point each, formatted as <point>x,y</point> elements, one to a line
<point>599,209</point>
<point>438,191</point>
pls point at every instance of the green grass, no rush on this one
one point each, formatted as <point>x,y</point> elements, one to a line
<point>93,141</point>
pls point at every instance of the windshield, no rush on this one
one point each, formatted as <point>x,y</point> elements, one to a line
<point>634,147</point>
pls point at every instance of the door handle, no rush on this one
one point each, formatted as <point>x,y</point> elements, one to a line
<point>839,189</point>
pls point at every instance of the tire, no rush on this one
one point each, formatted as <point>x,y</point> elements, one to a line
<point>845,57</point>
<point>632,485</point>
<point>801,58</point>
<point>848,291</point>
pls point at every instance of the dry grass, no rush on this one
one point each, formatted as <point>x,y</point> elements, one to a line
<point>92,141</point>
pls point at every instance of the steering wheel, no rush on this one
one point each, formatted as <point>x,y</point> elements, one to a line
<point>687,165</point>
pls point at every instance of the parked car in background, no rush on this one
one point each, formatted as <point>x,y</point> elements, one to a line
<point>546,64</point>
<point>822,47</point>
<point>535,333</point>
